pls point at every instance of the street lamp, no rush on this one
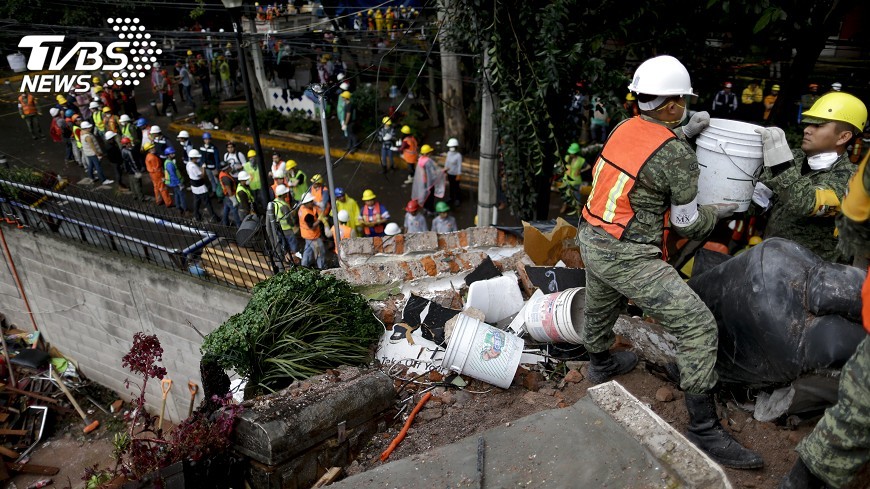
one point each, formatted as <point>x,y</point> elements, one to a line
<point>235,9</point>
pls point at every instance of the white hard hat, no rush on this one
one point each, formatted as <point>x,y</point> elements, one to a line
<point>93,105</point>
<point>388,136</point>
<point>278,174</point>
<point>184,134</point>
<point>392,229</point>
<point>124,118</point>
<point>281,190</point>
<point>53,111</point>
<point>110,135</point>
<point>243,176</point>
<point>343,216</point>
<point>307,198</point>
<point>663,76</point>
<point>157,64</point>
<point>344,86</point>
<point>452,143</point>
<point>194,153</point>
<point>86,125</point>
<point>155,130</point>
<point>837,86</point>
<point>340,76</point>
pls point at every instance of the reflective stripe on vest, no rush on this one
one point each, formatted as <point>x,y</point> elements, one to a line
<point>28,105</point>
<point>410,153</point>
<point>309,232</point>
<point>375,209</point>
<point>629,148</point>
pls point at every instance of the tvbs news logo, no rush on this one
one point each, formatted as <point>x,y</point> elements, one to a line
<point>128,59</point>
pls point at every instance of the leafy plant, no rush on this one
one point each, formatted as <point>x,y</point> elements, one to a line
<point>299,122</point>
<point>210,113</point>
<point>366,104</point>
<point>297,324</point>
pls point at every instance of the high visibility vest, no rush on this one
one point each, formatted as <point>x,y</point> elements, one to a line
<point>228,191</point>
<point>409,154</point>
<point>368,212</point>
<point>28,104</point>
<point>629,148</point>
<point>282,211</point>
<point>317,193</point>
<point>312,232</point>
<point>241,189</point>
<point>171,178</point>
<point>77,134</point>
<point>98,121</point>
<point>254,184</point>
<point>345,231</point>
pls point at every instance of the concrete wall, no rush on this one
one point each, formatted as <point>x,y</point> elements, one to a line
<point>88,303</point>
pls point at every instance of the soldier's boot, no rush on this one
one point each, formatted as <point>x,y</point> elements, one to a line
<point>707,433</point>
<point>800,477</point>
<point>604,366</point>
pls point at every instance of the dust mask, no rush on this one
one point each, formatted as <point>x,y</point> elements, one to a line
<point>451,149</point>
<point>822,161</point>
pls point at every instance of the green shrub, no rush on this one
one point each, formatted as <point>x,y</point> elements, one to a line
<point>299,122</point>
<point>367,116</point>
<point>297,324</point>
<point>237,118</point>
<point>210,113</point>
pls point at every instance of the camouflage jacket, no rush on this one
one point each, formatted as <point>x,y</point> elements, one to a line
<point>669,177</point>
<point>797,213</point>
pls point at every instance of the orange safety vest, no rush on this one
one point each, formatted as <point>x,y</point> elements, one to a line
<point>409,154</point>
<point>309,232</point>
<point>345,231</point>
<point>375,209</point>
<point>229,192</point>
<point>629,148</point>
<point>28,105</point>
<point>317,193</point>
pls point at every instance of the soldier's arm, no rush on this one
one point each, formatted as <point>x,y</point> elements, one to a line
<point>687,217</point>
<point>801,196</point>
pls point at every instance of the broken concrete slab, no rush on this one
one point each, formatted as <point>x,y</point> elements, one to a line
<point>649,340</point>
<point>498,297</point>
<point>588,444</point>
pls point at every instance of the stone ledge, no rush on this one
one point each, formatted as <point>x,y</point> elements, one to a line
<point>404,270</point>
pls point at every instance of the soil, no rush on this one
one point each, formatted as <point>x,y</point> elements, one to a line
<point>452,415</point>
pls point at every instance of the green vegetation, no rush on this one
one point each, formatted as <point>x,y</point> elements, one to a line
<point>296,121</point>
<point>297,324</point>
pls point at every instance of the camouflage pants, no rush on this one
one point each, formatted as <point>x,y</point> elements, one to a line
<point>617,271</point>
<point>840,444</point>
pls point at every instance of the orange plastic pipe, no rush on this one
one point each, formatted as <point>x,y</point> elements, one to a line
<point>401,436</point>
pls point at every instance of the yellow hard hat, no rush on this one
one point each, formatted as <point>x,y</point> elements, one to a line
<point>345,94</point>
<point>406,130</point>
<point>95,79</point>
<point>368,195</point>
<point>838,106</point>
<point>386,121</point>
<point>98,89</point>
<point>754,240</point>
<point>61,99</point>
<point>189,52</point>
<point>426,149</point>
<point>317,178</point>
<point>107,109</point>
<point>775,88</point>
<point>251,153</point>
<point>148,146</point>
<point>290,164</point>
<point>630,97</point>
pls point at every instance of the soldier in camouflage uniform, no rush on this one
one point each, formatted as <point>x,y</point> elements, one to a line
<point>839,446</point>
<point>810,183</point>
<point>647,175</point>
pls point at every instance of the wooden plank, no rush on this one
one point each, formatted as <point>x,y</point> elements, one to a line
<point>251,273</point>
<point>234,279</point>
<point>8,452</point>
<point>328,478</point>
<point>237,257</point>
<point>32,468</point>
<point>4,431</point>
<point>28,394</point>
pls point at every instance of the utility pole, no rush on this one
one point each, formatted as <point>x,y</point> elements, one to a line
<point>320,91</point>
<point>488,172</point>
<point>433,98</point>
<point>455,120</point>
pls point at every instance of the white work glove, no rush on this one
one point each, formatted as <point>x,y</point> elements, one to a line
<point>293,182</point>
<point>696,124</point>
<point>344,127</point>
<point>761,195</point>
<point>724,210</point>
<point>775,147</point>
<point>137,174</point>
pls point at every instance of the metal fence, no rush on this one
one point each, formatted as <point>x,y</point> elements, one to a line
<point>112,220</point>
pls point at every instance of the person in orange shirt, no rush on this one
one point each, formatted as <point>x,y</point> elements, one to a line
<point>770,101</point>
<point>155,171</point>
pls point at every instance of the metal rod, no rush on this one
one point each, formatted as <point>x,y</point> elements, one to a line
<point>23,297</point>
<point>336,229</point>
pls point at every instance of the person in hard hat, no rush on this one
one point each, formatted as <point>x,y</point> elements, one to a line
<point>647,177</point>
<point>347,122</point>
<point>310,220</point>
<point>211,160</point>
<point>28,109</point>
<point>244,196</point>
<point>453,170</point>
<point>321,197</point>
<point>97,118</point>
<point>387,138</point>
<point>297,180</point>
<point>724,102</point>
<point>132,167</point>
<point>835,454</point>
<point>184,143</point>
<point>154,166</point>
<point>444,222</point>
<point>278,178</point>
<point>185,81</point>
<point>809,184</point>
<point>55,127</point>
<point>373,215</point>
<point>75,122</point>
<point>429,180</point>
<point>166,93</point>
<point>408,148</point>
<point>837,86</point>
<point>415,221</point>
<point>630,105</point>
<point>92,152</point>
<point>770,101</point>
<point>228,186</point>
<point>173,180</point>
<point>344,202</point>
<point>751,102</point>
<point>65,125</point>
<point>156,137</point>
<point>808,99</point>
<point>572,181</point>
<point>225,75</point>
<point>113,154</point>
<point>196,173</point>
<point>110,120</point>
<point>256,182</point>
<point>346,230</point>
<point>287,219</point>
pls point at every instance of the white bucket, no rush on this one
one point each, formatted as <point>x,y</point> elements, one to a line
<point>730,156</point>
<point>17,61</point>
<point>481,351</point>
<point>498,298</point>
<point>556,317</point>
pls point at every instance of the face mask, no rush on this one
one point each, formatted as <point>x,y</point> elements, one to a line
<point>822,161</point>
<point>451,149</point>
